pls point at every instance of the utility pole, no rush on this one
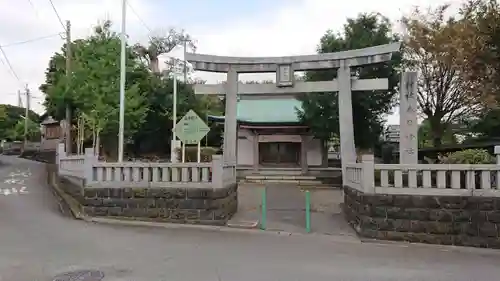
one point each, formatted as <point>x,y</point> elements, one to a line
<point>173,146</point>
<point>26,117</point>
<point>19,102</point>
<point>185,66</point>
<point>68,88</point>
<point>123,40</point>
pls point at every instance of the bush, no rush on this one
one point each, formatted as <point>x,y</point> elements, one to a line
<point>192,153</point>
<point>469,156</point>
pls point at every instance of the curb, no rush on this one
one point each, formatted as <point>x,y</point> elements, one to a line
<point>213,228</point>
<point>443,248</point>
<point>74,207</point>
<point>76,213</point>
<point>69,202</point>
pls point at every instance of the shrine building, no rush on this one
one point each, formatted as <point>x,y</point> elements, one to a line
<point>270,134</point>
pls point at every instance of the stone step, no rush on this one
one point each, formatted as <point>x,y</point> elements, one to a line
<point>297,172</point>
<point>279,177</point>
<point>243,224</point>
<point>290,181</point>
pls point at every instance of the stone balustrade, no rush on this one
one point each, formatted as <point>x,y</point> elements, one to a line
<point>174,192</point>
<point>452,204</point>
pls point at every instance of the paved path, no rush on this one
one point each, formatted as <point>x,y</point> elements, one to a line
<point>286,209</point>
<point>37,243</point>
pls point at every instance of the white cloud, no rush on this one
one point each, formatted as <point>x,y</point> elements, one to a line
<point>292,30</point>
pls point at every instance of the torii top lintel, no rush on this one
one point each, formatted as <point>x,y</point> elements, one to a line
<point>370,55</point>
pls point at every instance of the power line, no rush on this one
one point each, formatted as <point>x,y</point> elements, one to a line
<point>31,40</point>
<point>57,14</point>
<point>9,64</point>
<point>34,97</point>
<point>139,17</point>
<point>33,6</point>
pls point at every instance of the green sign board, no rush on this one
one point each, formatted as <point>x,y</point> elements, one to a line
<point>191,128</point>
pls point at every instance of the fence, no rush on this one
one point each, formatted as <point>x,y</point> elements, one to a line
<point>144,174</point>
<point>425,179</point>
<point>72,165</point>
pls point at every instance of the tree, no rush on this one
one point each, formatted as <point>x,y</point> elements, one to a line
<point>17,133</point>
<point>3,114</point>
<point>95,86</point>
<point>479,53</point>
<point>425,138</point>
<point>444,95</point>
<point>479,45</point>
<point>320,111</point>
<point>156,133</point>
<point>10,116</point>
<point>159,45</point>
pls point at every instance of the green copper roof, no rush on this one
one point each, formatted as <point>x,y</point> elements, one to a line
<point>268,110</point>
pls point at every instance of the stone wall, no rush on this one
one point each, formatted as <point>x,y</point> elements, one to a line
<point>448,220</point>
<point>45,156</point>
<point>179,205</point>
<point>71,185</point>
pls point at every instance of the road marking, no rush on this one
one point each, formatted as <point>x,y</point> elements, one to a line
<point>13,190</point>
<point>16,178</point>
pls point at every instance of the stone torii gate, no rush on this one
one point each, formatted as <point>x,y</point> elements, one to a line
<point>284,67</point>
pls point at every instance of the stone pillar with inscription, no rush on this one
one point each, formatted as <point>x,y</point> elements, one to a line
<point>408,142</point>
<point>230,124</point>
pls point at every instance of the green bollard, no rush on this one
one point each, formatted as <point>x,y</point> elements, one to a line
<point>263,209</point>
<point>308,211</point>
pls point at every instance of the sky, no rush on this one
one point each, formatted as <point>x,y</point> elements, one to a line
<point>30,30</point>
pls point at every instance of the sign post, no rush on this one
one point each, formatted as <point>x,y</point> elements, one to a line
<point>191,129</point>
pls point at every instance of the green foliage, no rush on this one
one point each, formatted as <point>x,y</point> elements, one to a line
<point>10,116</point>
<point>156,132</point>
<point>94,91</point>
<point>469,156</point>
<point>95,85</point>
<point>3,114</point>
<point>321,110</point>
<point>191,154</point>
<point>17,133</point>
<point>425,136</point>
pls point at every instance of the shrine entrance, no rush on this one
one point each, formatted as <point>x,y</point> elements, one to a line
<point>285,68</point>
<point>279,154</point>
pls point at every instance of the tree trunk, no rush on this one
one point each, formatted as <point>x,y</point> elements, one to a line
<point>436,130</point>
<point>69,142</point>
<point>98,145</point>
<point>437,141</point>
<point>93,139</point>
<point>324,153</point>
<point>109,147</point>
<point>154,65</point>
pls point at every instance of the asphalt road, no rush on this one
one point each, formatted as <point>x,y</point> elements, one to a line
<point>38,243</point>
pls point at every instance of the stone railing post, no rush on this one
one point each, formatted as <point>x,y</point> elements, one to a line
<point>88,165</point>
<point>368,173</point>
<point>60,153</point>
<point>217,171</point>
<point>497,155</point>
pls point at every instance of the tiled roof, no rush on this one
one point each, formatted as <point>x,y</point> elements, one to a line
<point>268,110</point>
<point>278,110</point>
